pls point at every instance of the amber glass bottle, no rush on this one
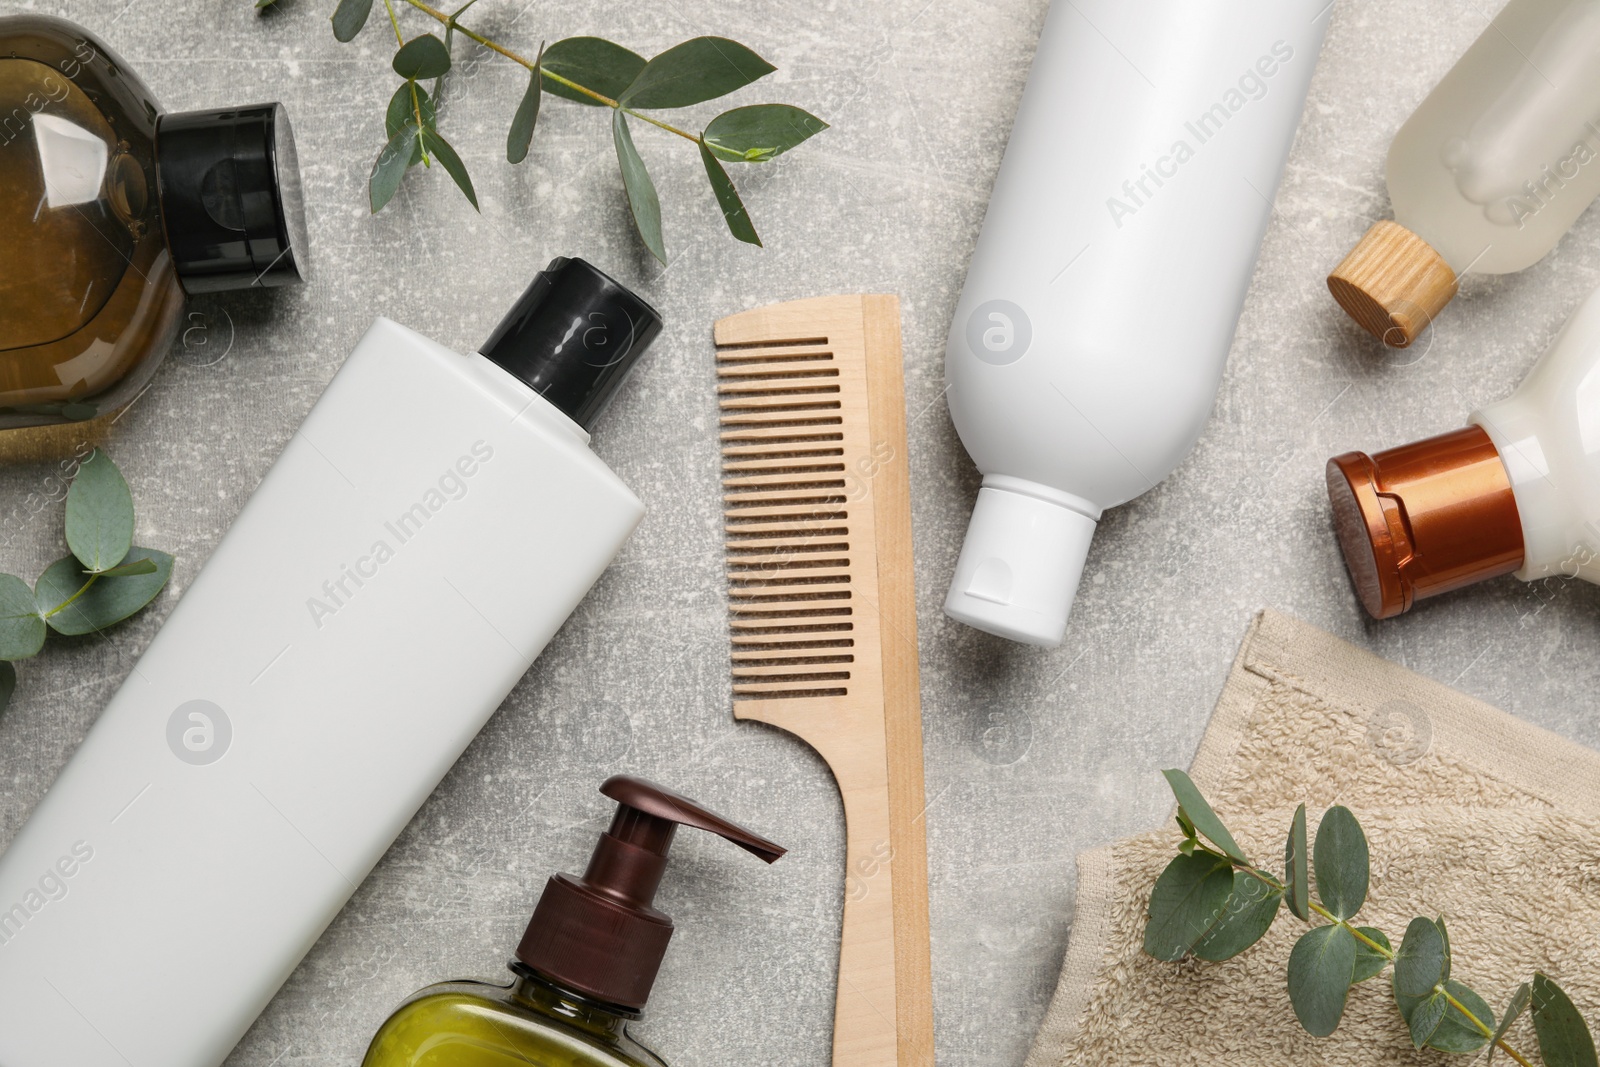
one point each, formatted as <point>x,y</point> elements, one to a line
<point>111,210</point>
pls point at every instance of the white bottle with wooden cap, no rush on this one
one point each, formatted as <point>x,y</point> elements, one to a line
<point>1497,163</point>
<point>1086,349</point>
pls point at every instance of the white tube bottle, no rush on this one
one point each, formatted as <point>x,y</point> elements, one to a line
<point>1488,173</point>
<point>1515,492</point>
<point>425,532</point>
<point>1101,301</point>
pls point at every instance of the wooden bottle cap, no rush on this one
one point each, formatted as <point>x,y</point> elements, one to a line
<point>1393,283</point>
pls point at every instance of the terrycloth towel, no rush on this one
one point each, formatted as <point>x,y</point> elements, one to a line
<point>1471,814</point>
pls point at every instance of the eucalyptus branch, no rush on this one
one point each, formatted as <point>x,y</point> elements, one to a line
<point>596,73</point>
<point>1213,902</point>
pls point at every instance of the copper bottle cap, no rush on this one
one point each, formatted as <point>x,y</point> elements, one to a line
<point>1424,518</point>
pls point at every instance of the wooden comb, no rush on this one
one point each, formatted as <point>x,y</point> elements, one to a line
<point>816,494</point>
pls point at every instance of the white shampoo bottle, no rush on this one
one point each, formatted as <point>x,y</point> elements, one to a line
<point>1102,297</point>
<point>422,536</point>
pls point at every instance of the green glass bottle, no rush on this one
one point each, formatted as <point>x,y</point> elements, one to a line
<point>585,966</point>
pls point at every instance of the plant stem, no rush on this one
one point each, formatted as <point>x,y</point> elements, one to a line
<point>393,21</point>
<point>494,46</point>
<point>68,602</point>
<point>1387,953</point>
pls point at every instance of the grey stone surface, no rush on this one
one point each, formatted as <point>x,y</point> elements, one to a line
<point>1031,755</point>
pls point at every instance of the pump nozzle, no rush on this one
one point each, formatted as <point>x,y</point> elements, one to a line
<point>599,935</point>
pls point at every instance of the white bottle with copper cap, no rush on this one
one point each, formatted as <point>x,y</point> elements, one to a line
<point>1516,491</point>
<point>1488,173</point>
<point>1090,337</point>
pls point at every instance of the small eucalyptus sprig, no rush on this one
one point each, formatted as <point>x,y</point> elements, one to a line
<point>596,72</point>
<point>105,579</point>
<point>1212,902</point>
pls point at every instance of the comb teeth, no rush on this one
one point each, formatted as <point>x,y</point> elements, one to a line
<point>787,512</point>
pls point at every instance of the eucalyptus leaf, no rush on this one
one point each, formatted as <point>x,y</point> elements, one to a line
<point>130,568</point>
<point>1251,909</point>
<point>1321,967</point>
<point>733,212</point>
<point>1341,862</point>
<point>107,601</point>
<point>391,166</point>
<point>1518,1004</point>
<point>403,110</point>
<point>1564,1038</point>
<point>1456,1034</point>
<point>699,69</point>
<point>1444,935</point>
<point>1200,814</point>
<point>99,514</point>
<point>8,683</point>
<point>642,199</point>
<point>1370,962</point>
<point>759,132</point>
<point>1185,824</point>
<point>1296,873</point>
<point>424,56</point>
<point>1425,1018</point>
<point>21,629</point>
<point>432,142</point>
<point>1419,965</point>
<point>520,136</point>
<point>593,63</point>
<point>1187,899</point>
<point>349,17</point>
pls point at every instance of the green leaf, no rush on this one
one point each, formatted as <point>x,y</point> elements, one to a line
<point>108,601</point>
<point>1252,907</point>
<point>8,683</point>
<point>1519,1004</point>
<point>1187,899</point>
<point>21,629</point>
<point>1425,1018</point>
<point>593,63</point>
<point>1419,965</point>
<point>1187,846</point>
<point>522,123</point>
<point>1444,936</point>
<point>391,165</point>
<point>99,514</point>
<point>402,110</point>
<point>424,56</point>
<point>1200,814</point>
<point>699,69</point>
<point>1370,962</point>
<point>1185,825</point>
<point>1296,875</point>
<point>733,212</point>
<point>642,198</point>
<point>349,17</point>
<point>1564,1038</point>
<point>1341,862</point>
<point>760,132</point>
<point>1455,1033</point>
<point>1321,966</point>
<point>432,142</point>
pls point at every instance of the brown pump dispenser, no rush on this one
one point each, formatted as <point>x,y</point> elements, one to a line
<point>598,935</point>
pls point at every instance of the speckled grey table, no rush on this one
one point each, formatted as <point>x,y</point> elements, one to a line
<point>1031,755</point>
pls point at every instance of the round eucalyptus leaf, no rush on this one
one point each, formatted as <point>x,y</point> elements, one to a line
<point>349,17</point>
<point>1456,1033</point>
<point>21,629</point>
<point>1188,898</point>
<point>1370,962</point>
<point>1251,909</point>
<point>424,56</point>
<point>109,600</point>
<point>1419,965</point>
<point>99,514</point>
<point>1341,862</point>
<point>1296,869</point>
<point>1321,966</point>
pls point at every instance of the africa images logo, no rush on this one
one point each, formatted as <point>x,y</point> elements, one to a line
<point>199,732</point>
<point>998,332</point>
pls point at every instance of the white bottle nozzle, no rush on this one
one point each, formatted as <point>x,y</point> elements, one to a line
<point>1021,561</point>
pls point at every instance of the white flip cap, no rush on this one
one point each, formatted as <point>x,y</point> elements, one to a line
<point>1021,561</point>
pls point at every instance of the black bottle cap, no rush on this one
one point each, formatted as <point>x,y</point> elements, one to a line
<point>573,336</point>
<point>230,198</point>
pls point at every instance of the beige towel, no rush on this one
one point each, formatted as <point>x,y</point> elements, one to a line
<point>1471,813</point>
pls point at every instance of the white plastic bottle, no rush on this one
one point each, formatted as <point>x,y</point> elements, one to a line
<point>1488,173</point>
<point>1089,340</point>
<point>422,536</point>
<point>1515,492</point>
